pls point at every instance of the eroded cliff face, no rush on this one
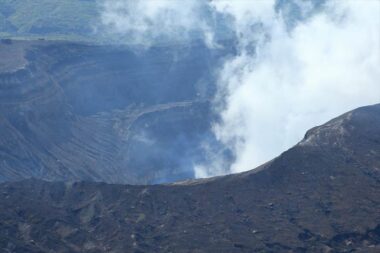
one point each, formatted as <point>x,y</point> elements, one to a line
<point>80,112</point>
<point>319,196</point>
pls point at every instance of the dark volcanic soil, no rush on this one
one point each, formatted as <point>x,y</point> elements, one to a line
<point>323,195</point>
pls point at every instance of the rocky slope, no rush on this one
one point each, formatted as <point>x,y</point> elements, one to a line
<point>320,196</point>
<point>73,111</point>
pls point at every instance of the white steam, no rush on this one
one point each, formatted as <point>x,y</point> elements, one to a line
<point>283,80</point>
<point>147,22</point>
<point>299,79</point>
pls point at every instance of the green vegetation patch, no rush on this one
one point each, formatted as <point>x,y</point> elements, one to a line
<point>49,18</point>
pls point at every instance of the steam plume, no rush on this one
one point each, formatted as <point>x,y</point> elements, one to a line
<point>298,63</point>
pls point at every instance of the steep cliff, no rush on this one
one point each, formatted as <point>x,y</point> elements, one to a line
<point>73,111</point>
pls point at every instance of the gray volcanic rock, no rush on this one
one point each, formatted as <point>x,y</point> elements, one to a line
<point>320,196</point>
<point>73,111</point>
